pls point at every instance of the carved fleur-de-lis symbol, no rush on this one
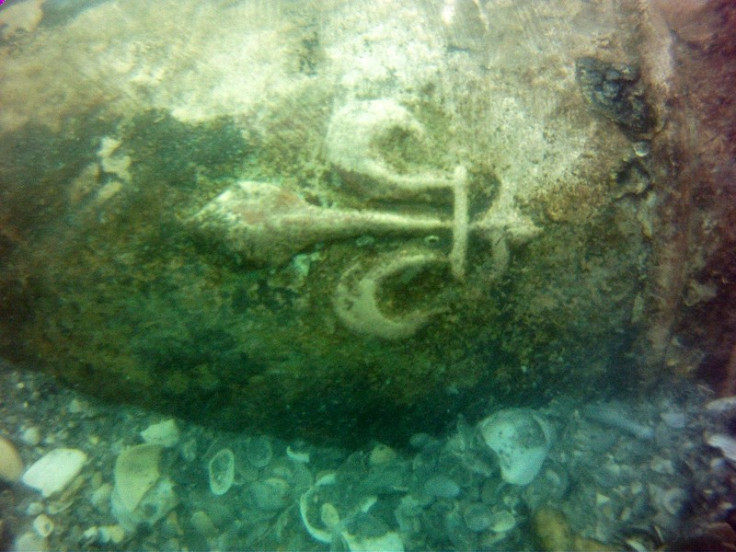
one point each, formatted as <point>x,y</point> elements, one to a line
<point>265,224</point>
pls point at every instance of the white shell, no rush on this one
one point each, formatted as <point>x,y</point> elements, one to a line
<point>301,457</point>
<point>11,465</point>
<point>222,471</point>
<point>726,443</point>
<point>521,440</point>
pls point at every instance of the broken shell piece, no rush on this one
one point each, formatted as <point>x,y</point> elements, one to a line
<point>43,526</point>
<point>521,440</point>
<point>153,506</point>
<point>388,541</point>
<point>726,443</point>
<point>258,451</point>
<point>305,501</point>
<point>11,464</point>
<point>301,457</point>
<point>136,472</point>
<point>221,470</point>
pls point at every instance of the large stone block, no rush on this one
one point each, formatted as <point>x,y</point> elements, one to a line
<point>339,219</point>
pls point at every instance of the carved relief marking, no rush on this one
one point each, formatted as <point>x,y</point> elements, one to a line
<point>260,222</point>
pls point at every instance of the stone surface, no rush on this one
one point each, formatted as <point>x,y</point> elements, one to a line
<point>376,215</point>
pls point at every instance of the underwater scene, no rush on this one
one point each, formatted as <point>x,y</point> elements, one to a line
<point>367,275</point>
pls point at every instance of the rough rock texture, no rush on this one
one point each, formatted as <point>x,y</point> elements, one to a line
<point>691,323</point>
<point>499,227</point>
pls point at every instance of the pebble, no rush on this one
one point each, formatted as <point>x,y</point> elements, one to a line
<point>270,494</point>
<point>675,420</point>
<point>165,433</point>
<point>54,471</point>
<point>672,500</point>
<point>30,542</point>
<point>100,498</point>
<point>420,440</point>
<point>31,436</point>
<point>329,516</point>
<point>381,454</point>
<point>112,533</point>
<point>203,524</point>
<point>502,522</point>
<point>662,465</point>
<point>189,450</point>
<point>11,464</point>
<point>34,508</point>
<point>77,406</point>
<point>43,526</point>
<point>258,452</point>
<point>478,517</point>
<point>441,486</point>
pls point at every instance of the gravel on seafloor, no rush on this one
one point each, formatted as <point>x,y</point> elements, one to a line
<point>620,475</point>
